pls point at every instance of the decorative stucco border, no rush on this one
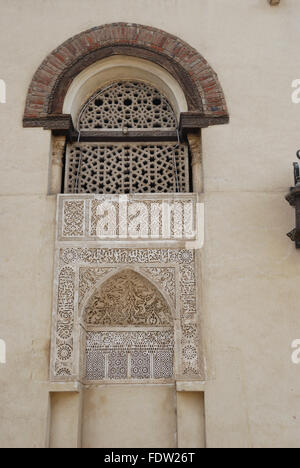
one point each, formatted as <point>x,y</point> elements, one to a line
<point>78,219</point>
<point>51,81</point>
<point>66,355</point>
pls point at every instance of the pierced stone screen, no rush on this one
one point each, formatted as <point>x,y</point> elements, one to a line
<point>130,355</point>
<point>133,105</point>
<point>132,168</point>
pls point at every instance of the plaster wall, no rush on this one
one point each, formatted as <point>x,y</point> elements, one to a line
<point>134,416</point>
<point>191,420</point>
<point>250,269</point>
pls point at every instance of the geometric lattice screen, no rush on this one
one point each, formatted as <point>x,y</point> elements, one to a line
<point>126,168</point>
<point>131,168</point>
<point>129,355</point>
<point>133,105</point>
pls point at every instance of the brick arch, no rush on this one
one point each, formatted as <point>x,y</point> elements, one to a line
<point>51,81</point>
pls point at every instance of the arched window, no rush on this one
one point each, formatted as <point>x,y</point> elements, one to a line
<point>125,104</point>
<point>138,162</point>
<point>129,331</point>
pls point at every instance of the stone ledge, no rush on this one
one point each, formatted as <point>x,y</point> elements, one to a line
<point>57,387</point>
<point>190,386</point>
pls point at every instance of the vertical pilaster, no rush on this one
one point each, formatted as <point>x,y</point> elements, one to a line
<point>194,140</point>
<point>65,427</point>
<point>190,415</point>
<point>57,154</point>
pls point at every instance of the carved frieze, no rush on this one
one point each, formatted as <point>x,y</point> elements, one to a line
<point>127,218</point>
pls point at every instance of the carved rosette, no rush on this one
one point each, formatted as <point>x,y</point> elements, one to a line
<point>189,329</point>
<point>64,341</point>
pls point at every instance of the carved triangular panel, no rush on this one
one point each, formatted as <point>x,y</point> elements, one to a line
<point>128,299</point>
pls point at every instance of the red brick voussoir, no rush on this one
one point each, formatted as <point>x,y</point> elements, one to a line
<point>51,81</point>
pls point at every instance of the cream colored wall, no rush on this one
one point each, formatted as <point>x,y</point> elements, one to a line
<point>65,420</point>
<point>251,270</point>
<point>191,420</point>
<point>131,416</point>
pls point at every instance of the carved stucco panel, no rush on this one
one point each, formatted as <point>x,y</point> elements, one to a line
<point>127,299</point>
<point>79,272</point>
<point>63,352</point>
<point>128,218</point>
<point>74,218</point>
